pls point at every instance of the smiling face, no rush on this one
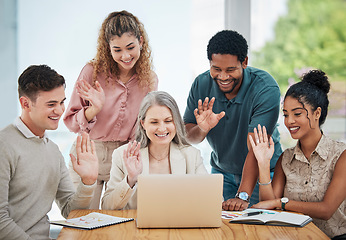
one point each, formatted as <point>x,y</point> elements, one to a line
<point>301,121</point>
<point>227,72</point>
<point>45,112</point>
<point>125,50</point>
<point>159,125</point>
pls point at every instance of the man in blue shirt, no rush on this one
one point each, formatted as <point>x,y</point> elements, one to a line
<point>236,99</point>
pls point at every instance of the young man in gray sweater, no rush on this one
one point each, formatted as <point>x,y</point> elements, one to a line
<point>32,169</point>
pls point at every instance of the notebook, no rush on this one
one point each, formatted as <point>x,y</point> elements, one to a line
<point>269,217</point>
<point>91,221</point>
<point>179,201</point>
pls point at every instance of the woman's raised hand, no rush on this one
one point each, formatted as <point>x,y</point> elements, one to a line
<point>262,147</point>
<point>133,162</point>
<point>95,96</point>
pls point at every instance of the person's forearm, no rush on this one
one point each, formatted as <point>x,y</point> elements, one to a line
<point>250,174</point>
<point>90,113</point>
<point>194,133</point>
<point>10,230</point>
<point>265,187</point>
<point>319,210</point>
<point>132,180</point>
<point>117,195</point>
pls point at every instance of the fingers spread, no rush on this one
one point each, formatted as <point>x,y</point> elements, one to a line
<point>256,135</point>
<point>128,150</point>
<point>84,85</point>
<point>98,86</point>
<point>87,139</point>
<point>205,103</point>
<point>260,135</point>
<point>93,147</point>
<point>271,142</point>
<point>74,161</point>
<point>79,144</point>
<point>200,106</point>
<point>265,135</point>
<point>137,148</point>
<point>133,148</point>
<point>84,143</point>
<point>211,103</point>
<point>196,113</point>
<point>221,115</point>
<point>251,141</point>
<point>125,154</point>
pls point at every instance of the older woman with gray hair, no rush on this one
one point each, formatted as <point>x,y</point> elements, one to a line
<point>160,148</point>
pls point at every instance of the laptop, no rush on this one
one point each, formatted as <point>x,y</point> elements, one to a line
<point>179,201</point>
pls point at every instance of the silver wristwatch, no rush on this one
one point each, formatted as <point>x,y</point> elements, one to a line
<point>243,196</point>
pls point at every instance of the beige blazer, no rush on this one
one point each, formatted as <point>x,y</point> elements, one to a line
<point>119,195</point>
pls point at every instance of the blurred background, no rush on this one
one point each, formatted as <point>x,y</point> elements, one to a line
<point>286,38</point>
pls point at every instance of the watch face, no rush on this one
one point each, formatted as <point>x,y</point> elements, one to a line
<point>284,199</point>
<point>243,196</point>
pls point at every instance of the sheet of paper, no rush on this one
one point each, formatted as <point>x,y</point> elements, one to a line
<point>235,214</point>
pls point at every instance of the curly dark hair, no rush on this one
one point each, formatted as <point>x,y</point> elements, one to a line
<point>38,78</point>
<point>228,42</point>
<point>116,24</point>
<point>313,90</point>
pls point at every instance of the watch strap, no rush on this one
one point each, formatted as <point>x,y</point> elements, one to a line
<point>284,201</point>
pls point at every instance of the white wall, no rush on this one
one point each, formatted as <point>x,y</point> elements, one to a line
<point>63,34</point>
<point>8,61</point>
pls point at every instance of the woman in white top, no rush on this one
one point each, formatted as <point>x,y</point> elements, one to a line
<point>160,148</point>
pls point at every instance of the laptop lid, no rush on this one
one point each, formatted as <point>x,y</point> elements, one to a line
<point>179,201</point>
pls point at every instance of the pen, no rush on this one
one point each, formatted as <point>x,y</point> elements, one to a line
<point>252,213</point>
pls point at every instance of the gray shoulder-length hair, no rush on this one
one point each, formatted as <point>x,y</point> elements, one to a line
<point>160,98</point>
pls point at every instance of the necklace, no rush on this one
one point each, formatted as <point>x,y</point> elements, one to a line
<point>159,160</point>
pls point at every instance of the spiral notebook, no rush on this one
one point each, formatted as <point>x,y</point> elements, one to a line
<point>91,221</point>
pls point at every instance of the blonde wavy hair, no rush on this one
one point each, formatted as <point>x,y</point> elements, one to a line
<point>116,24</point>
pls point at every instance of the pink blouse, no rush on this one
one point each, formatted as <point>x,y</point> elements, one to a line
<point>117,119</point>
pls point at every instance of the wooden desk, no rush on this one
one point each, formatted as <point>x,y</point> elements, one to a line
<point>129,230</point>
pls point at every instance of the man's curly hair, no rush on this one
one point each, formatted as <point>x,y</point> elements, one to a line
<point>116,24</point>
<point>228,42</point>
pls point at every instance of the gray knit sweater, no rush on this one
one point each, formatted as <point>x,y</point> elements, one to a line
<point>32,175</point>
